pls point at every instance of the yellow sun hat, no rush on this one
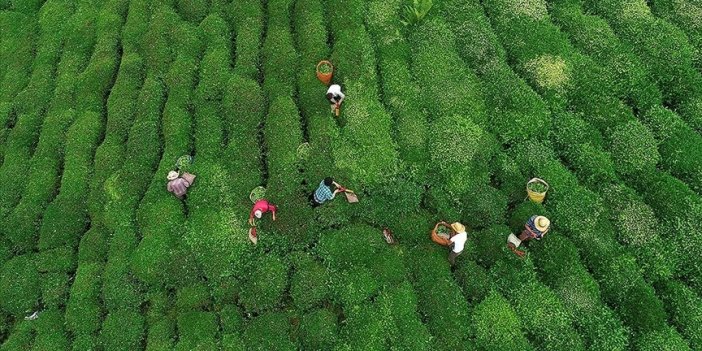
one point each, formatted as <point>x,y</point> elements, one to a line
<point>542,223</point>
<point>458,227</point>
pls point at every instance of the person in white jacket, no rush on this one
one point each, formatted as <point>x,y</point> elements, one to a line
<point>335,97</point>
<point>458,242</point>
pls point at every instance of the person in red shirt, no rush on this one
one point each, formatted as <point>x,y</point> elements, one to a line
<point>259,208</point>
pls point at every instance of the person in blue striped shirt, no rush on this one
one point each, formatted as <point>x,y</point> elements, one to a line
<point>324,192</point>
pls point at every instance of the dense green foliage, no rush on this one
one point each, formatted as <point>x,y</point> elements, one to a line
<point>447,117</point>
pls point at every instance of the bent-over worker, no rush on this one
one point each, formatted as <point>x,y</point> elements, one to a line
<point>535,228</point>
<point>335,97</point>
<point>324,192</point>
<point>259,208</point>
<point>178,184</point>
<point>458,242</point>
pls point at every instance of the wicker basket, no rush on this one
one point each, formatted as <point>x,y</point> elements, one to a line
<point>537,197</point>
<point>440,239</point>
<point>325,77</point>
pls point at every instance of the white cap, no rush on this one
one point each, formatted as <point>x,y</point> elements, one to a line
<point>172,175</point>
<point>258,213</point>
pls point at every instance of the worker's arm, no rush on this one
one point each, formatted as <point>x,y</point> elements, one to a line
<point>251,218</point>
<point>341,97</point>
<point>273,210</point>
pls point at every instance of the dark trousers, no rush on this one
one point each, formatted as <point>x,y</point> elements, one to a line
<point>313,202</point>
<point>452,255</point>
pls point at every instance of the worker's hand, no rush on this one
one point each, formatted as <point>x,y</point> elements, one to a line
<point>336,191</point>
<point>337,185</point>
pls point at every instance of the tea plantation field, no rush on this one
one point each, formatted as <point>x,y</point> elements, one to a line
<point>446,117</point>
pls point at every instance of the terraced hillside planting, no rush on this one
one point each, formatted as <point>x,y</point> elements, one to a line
<point>451,108</point>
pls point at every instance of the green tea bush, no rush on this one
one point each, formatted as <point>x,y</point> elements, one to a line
<point>50,331</point>
<point>547,323</point>
<point>22,222</point>
<point>83,311</point>
<point>21,337</point>
<point>462,166</point>
<point>683,15</point>
<point>193,10</point>
<point>122,330</point>
<point>448,86</point>
<point>248,18</point>
<point>401,93</point>
<point>662,47</point>
<point>497,326</point>
<point>193,298</point>
<point>54,289</point>
<point>269,331</point>
<point>21,286</point>
<point>264,284</point>
<point>439,298</point>
<point>666,340</point>
<point>679,146</point>
<point>18,49</point>
<point>633,148</point>
<point>593,36</point>
<point>309,282</point>
<point>474,281</point>
<point>318,330</point>
<point>517,112</point>
<point>120,115</point>
<point>684,309</point>
<point>161,335</point>
<point>197,330</point>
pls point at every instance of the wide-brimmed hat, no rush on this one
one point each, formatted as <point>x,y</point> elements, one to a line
<point>458,227</point>
<point>172,175</point>
<point>542,223</point>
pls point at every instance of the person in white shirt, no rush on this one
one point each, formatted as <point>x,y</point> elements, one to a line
<point>335,97</point>
<point>458,241</point>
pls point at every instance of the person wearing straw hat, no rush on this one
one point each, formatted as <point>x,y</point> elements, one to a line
<point>535,228</point>
<point>458,242</point>
<point>177,184</point>
<point>335,97</point>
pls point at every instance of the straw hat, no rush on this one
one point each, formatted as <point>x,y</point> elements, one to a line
<point>542,223</point>
<point>172,175</point>
<point>458,227</point>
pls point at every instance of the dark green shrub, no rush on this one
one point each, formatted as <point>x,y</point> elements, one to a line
<point>309,283</point>
<point>248,15</point>
<point>83,313</point>
<point>269,331</point>
<point>318,330</point>
<point>439,298</point>
<point>66,217</point>
<point>57,260</point>
<point>462,166</point>
<point>264,284</point>
<point>161,334</point>
<point>193,298</point>
<point>54,289</point>
<point>193,10</point>
<point>231,319</point>
<point>20,285</point>
<point>197,330</point>
<point>50,332</point>
<point>684,309</point>
<point>666,340</point>
<point>497,326</point>
<point>20,337</point>
<point>122,330</point>
<point>547,322</point>
<point>489,245</point>
<point>633,148</point>
<point>474,281</point>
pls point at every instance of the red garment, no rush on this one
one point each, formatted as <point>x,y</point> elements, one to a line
<point>264,206</point>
